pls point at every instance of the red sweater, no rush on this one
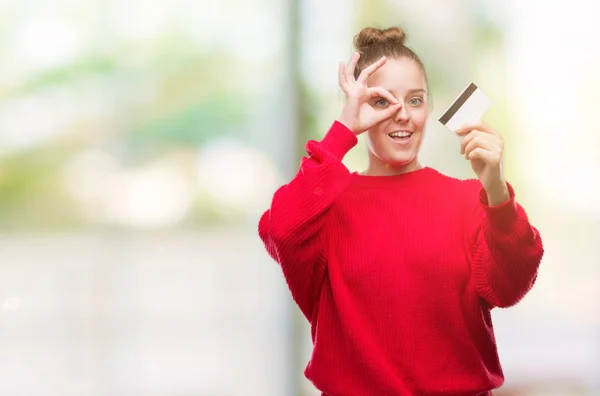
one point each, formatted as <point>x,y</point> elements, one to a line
<point>397,274</point>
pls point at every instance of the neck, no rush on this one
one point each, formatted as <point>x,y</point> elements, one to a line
<point>376,168</point>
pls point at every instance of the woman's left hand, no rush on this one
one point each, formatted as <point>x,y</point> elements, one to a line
<point>484,148</point>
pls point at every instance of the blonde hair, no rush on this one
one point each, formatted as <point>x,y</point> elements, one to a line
<point>374,43</point>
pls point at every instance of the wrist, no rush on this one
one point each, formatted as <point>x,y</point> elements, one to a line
<point>348,125</point>
<point>497,194</point>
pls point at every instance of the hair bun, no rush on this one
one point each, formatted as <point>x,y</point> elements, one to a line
<point>369,37</point>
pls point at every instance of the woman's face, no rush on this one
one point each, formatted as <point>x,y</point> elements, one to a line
<point>394,144</point>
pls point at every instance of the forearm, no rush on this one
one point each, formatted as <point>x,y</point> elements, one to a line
<point>297,208</point>
<point>508,253</point>
<point>292,228</point>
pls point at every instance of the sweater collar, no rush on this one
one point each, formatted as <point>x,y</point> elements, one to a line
<point>414,177</point>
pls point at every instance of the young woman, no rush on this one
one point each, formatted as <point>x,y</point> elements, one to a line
<point>397,268</point>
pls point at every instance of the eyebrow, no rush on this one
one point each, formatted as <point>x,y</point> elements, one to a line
<point>410,91</point>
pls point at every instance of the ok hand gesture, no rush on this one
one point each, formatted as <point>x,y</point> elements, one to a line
<point>358,114</point>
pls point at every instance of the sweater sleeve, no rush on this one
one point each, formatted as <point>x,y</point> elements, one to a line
<point>290,228</point>
<point>507,251</point>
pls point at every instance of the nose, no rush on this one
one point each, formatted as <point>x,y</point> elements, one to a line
<point>401,115</point>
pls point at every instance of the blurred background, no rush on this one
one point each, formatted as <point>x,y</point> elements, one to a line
<point>141,140</point>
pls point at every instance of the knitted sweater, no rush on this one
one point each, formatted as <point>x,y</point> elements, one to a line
<point>397,275</point>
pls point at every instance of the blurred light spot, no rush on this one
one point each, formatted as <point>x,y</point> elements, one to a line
<point>151,17</point>
<point>90,174</point>
<point>12,303</point>
<point>236,175</point>
<point>30,121</point>
<point>45,41</point>
<point>155,196</point>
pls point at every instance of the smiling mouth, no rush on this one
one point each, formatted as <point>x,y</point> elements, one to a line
<point>400,136</point>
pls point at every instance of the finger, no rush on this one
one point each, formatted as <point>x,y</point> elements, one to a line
<point>388,113</point>
<point>367,71</point>
<point>468,127</point>
<point>478,125</point>
<point>351,67</point>
<point>380,92</point>
<point>342,76</point>
<point>466,139</point>
<point>488,157</point>
<point>480,142</point>
<point>464,142</point>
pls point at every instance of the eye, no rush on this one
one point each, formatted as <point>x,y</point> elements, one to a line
<point>381,103</point>
<point>416,101</point>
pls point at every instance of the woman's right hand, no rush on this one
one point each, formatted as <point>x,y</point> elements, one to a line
<point>358,114</point>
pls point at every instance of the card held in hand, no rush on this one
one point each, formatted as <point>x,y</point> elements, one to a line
<point>469,107</point>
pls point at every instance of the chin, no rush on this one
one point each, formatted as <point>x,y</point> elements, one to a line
<point>394,155</point>
<point>400,161</point>
<point>399,157</point>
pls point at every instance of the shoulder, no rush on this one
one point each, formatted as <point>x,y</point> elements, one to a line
<point>465,191</point>
<point>457,183</point>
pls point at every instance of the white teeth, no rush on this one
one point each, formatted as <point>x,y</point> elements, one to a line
<point>401,134</point>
